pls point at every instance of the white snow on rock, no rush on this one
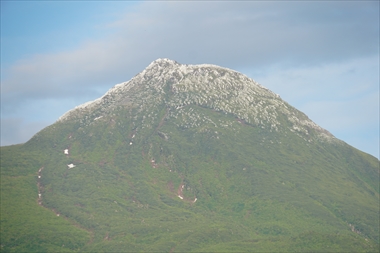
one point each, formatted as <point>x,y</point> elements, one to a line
<point>205,85</point>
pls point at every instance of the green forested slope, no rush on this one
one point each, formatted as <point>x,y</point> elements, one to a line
<point>25,225</point>
<point>188,159</point>
<point>255,190</point>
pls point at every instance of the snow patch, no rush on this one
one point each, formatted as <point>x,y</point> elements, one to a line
<point>208,85</point>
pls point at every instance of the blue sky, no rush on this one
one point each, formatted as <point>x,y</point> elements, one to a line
<point>322,57</point>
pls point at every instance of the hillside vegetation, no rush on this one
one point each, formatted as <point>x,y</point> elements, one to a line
<point>142,173</point>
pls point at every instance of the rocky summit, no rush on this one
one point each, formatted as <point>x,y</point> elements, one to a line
<point>176,86</point>
<point>188,158</point>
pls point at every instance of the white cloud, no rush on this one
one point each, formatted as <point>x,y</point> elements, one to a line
<point>308,52</point>
<point>234,35</point>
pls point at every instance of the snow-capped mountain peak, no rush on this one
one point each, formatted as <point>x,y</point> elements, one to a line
<point>210,86</point>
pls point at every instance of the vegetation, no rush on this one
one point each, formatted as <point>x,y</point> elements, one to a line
<point>25,225</point>
<point>254,190</point>
<point>148,169</point>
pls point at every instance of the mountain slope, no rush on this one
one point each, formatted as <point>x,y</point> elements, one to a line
<point>196,158</point>
<point>175,85</point>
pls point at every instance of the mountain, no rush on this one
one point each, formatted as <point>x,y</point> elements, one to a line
<point>188,158</point>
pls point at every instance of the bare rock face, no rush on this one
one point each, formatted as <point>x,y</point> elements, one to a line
<point>192,158</point>
<point>176,85</point>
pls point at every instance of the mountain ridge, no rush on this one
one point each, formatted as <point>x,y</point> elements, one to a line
<point>185,158</point>
<point>230,92</point>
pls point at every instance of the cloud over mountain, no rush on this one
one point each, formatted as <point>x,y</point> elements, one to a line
<point>262,38</point>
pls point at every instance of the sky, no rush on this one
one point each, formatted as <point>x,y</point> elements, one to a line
<point>322,57</point>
